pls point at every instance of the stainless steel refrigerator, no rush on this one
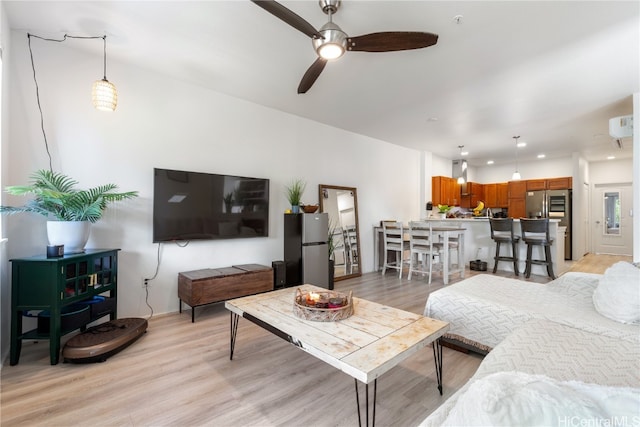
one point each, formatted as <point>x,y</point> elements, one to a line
<point>552,204</point>
<point>306,251</point>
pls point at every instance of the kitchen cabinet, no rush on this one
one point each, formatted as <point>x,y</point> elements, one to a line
<point>516,202</point>
<point>491,195</point>
<point>563,183</point>
<point>444,191</point>
<point>536,184</point>
<point>517,208</point>
<point>502,195</point>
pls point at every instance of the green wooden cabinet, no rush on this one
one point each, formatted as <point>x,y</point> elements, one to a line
<point>52,284</point>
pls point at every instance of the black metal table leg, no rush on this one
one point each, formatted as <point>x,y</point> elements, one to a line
<point>437,357</point>
<point>235,319</point>
<point>375,393</point>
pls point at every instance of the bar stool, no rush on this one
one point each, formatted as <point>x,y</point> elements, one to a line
<point>393,235</point>
<point>502,232</point>
<point>535,232</point>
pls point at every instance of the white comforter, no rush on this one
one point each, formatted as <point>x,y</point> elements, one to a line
<point>484,309</point>
<point>517,398</point>
<point>541,348</point>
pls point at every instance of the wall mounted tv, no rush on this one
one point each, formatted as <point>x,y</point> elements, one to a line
<point>196,205</point>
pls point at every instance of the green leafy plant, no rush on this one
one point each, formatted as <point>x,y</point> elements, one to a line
<point>444,208</point>
<point>56,195</point>
<point>294,192</point>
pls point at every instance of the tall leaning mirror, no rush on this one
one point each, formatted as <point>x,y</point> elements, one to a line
<point>341,205</point>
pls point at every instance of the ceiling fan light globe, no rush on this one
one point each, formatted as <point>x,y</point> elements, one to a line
<point>330,51</point>
<point>334,43</point>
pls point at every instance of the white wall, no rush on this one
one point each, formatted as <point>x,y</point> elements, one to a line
<point>5,295</point>
<point>611,171</point>
<point>171,124</point>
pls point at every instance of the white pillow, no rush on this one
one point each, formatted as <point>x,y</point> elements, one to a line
<point>618,293</point>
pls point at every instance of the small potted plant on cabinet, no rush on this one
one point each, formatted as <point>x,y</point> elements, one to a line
<point>294,194</point>
<point>56,196</point>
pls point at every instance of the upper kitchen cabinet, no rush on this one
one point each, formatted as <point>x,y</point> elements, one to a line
<point>491,195</point>
<point>502,195</point>
<point>445,191</point>
<point>496,195</point>
<point>564,183</point>
<point>536,184</point>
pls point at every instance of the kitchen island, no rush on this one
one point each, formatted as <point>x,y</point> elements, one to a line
<point>478,244</point>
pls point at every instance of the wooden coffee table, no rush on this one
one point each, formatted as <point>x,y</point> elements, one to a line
<point>366,345</point>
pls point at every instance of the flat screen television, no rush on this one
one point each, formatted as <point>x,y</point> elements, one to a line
<point>196,205</point>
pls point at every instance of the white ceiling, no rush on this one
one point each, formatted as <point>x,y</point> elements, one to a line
<point>552,72</point>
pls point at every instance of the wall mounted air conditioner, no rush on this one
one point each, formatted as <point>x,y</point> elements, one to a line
<point>621,127</point>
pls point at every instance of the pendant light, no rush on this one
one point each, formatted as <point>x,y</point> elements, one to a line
<point>516,175</point>
<point>104,95</point>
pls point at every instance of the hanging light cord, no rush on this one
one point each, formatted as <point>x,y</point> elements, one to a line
<point>33,67</point>
<point>516,138</point>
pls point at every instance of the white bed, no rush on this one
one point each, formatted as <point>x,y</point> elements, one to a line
<point>554,355</point>
<point>484,309</point>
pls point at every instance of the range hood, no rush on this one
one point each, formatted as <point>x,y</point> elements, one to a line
<point>459,171</point>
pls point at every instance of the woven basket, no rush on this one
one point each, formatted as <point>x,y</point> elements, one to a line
<point>322,314</point>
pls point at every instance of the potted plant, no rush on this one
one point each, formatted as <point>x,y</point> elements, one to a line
<point>56,196</point>
<point>294,194</point>
<point>442,210</point>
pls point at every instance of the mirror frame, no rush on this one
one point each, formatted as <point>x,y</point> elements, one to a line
<point>321,188</point>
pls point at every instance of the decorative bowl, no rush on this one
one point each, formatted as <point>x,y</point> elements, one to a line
<point>309,208</point>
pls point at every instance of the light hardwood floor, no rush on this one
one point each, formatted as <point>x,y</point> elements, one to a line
<point>179,374</point>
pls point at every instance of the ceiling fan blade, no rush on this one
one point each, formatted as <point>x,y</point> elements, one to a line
<point>311,75</point>
<point>391,41</point>
<point>279,11</point>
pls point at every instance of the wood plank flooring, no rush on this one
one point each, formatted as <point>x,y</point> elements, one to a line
<point>179,374</point>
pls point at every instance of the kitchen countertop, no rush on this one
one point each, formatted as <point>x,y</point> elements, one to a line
<point>475,219</point>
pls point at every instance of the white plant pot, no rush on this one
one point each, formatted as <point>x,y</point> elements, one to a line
<point>442,215</point>
<point>72,234</point>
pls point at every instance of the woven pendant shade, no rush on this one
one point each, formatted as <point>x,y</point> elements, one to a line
<point>104,95</point>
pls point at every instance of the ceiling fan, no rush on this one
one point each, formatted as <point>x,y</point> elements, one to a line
<point>330,42</point>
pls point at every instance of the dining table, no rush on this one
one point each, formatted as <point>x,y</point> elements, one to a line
<point>445,233</point>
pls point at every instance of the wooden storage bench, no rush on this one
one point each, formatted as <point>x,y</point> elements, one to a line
<point>209,285</point>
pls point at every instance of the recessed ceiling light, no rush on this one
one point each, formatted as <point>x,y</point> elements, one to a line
<point>611,157</point>
<point>489,162</point>
<point>432,119</point>
<point>541,156</point>
<point>458,19</point>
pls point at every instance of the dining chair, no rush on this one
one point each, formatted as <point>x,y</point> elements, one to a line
<point>351,247</point>
<point>393,238</point>
<point>422,249</point>
<point>339,251</point>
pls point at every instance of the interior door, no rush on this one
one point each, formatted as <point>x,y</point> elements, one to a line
<point>611,208</point>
